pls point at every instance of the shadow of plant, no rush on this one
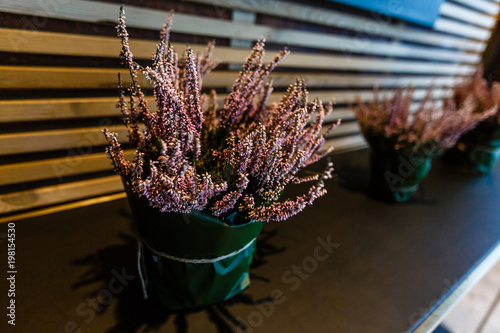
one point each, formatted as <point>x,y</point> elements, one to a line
<point>132,313</point>
<point>354,175</point>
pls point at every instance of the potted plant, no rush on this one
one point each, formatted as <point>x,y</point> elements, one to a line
<point>403,143</point>
<point>204,178</point>
<point>478,150</point>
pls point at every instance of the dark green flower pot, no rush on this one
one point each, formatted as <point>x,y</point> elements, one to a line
<point>477,151</point>
<point>395,176</point>
<point>176,248</point>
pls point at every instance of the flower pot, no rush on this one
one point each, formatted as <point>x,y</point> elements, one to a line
<point>477,151</point>
<point>192,260</point>
<point>395,176</point>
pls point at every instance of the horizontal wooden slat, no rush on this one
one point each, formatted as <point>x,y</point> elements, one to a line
<point>32,77</point>
<point>64,108</point>
<point>344,114</point>
<point>462,29</point>
<point>314,80</point>
<point>351,62</point>
<point>345,129</point>
<point>48,109</point>
<point>58,108</point>
<point>345,96</point>
<point>69,108</point>
<point>346,21</point>
<point>70,44</point>
<point>55,168</point>
<point>346,143</point>
<point>19,77</point>
<point>63,206</point>
<point>91,11</point>
<point>43,42</point>
<point>79,139</point>
<point>56,194</point>
<point>465,14</point>
<point>484,6</point>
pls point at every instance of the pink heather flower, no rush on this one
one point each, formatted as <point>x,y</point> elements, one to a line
<point>475,90</point>
<point>191,155</point>
<point>470,103</point>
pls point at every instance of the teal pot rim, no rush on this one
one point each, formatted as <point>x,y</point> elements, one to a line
<point>194,235</point>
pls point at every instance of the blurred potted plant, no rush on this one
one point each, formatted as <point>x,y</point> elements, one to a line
<point>478,150</point>
<point>204,179</point>
<point>403,143</point>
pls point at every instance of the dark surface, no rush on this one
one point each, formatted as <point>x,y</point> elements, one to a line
<point>394,262</point>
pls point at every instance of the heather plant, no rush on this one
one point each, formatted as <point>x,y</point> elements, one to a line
<point>389,120</point>
<point>193,155</point>
<point>478,150</point>
<point>475,89</point>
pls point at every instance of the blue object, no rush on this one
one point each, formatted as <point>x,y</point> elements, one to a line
<point>423,12</point>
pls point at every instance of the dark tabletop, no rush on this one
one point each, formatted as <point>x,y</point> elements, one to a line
<point>389,265</point>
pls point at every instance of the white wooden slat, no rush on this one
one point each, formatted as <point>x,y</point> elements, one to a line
<point>378,65</point>
<point>353,80</point>
<point>457,28</point>
<point>465,14</point>
<point>344,114</point>
<point>70,44</point>
<point>42,109</point>
<point>91,11</point>
<point>88,107</point>
<point>354,46</point>
<point>484,6</point>
<point>33,77</point>
<point>375,26</point>
<point>56,194</point>
<point>344,129</point>
<point>106,106</point>
<point>366,95</point>
<point>346,143</point>
<point>344,96</point>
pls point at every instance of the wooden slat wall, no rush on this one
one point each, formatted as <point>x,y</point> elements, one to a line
<point>60,61</point>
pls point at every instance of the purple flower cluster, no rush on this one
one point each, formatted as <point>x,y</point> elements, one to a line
<point>438,124</point>
<point>476,88</point>
<point>193,155</point>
